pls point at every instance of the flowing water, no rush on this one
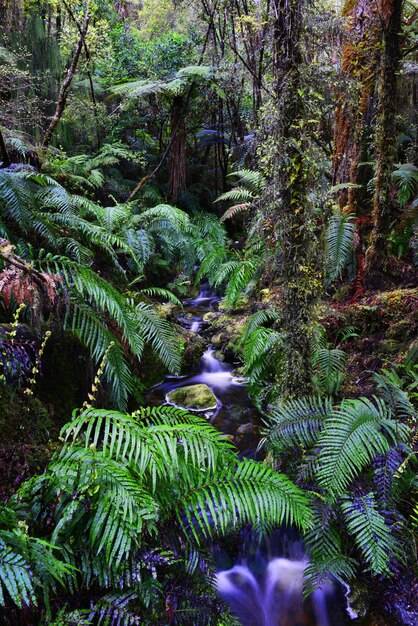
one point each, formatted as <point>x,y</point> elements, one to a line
<point>262,583</point>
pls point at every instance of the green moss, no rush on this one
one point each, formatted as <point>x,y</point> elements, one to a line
<point>193,397</point>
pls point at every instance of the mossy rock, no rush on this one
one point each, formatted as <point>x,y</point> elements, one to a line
<point>217,340</point>
<point>193,398</point>
<point>210,316</point>
<point>193,349</point>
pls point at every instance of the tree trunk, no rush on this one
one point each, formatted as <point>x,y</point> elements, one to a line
<point>177,159</point>
<point>3,150</point>
<point>354,116</point>
<point>354,112</point>
<point>63,93</point>
<point>287,196</point>
<point>383,215</point>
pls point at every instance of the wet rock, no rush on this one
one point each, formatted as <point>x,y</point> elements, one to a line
<point>230,437</point>
<point>193,348</point>
<point>210,316</point>
<point>358,599</point>
<point>194,398</point>
<point>247,429</point>
<point>217,340</point>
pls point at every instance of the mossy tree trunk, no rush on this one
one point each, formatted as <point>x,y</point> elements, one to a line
<point>354,116</point>
<point>287,194</point>
<point>383,215</point>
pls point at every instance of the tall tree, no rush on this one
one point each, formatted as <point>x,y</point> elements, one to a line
<point>354,118</point>
<point>385,142</point>
<point>287,191</point>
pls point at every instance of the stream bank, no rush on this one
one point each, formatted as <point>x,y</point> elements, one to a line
<point>257,579</point>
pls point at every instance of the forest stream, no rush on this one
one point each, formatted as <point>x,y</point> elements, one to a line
<point>261,582</point>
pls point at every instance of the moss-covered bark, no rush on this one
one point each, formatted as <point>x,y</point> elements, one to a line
<point>383,215</point>
<point>287,194</point>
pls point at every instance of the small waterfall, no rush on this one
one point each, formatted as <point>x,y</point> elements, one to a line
<point>206,298</point>
<point>195,326</point>
<point>210,364</point>
<point>275,599</point>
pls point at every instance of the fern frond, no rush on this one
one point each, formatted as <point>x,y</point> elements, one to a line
<point>259,343</point>
<point>234,210</point>
<point>370,532</point>
<point>16,196</point>
<point>339,244</point>
<point>390,385</point>
<point>162,293</point>
<point>15,577</point>
<point>326,570</point>
<point>115,525</point>
<point>162,214</point>
<point>406,179</point>
<point>257,319</point>
<point>251,179</point>
<point>297,422</point>
<point>353,435</point>
<point>87,325</point>
<point>239,280</point>
<point>329,368</point>
<point>114,217</point>
<point>254,492</point>
<point>237,194</point>
<point>159,334</point>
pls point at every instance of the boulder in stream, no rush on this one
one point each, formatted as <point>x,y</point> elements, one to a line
<point>193,398</point>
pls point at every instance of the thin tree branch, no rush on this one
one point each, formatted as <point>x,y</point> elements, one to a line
<point>63,93</point>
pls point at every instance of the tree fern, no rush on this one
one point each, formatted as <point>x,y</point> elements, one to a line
<point>177,85</point>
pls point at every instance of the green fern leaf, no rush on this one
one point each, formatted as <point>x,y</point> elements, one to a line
<point>353,434</point>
